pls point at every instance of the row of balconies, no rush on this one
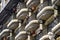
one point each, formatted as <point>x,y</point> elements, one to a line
<point>31,19</point>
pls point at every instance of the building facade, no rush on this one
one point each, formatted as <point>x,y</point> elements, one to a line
<point>30,20</point>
